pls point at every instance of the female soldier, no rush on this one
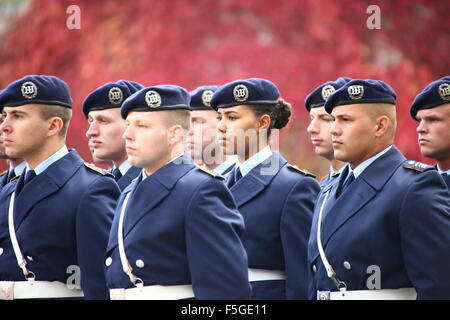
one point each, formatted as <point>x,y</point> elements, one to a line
<point>276,199</point>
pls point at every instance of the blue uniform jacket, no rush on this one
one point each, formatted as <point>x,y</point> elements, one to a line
<point>394,218</point>
<point>128,177</point>
<point>62,218</point>
<point>183,224</point>
<point>277,207</point>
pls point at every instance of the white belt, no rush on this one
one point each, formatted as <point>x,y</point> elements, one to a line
<point>382,294</point>
<point>155,292</point>
<point>264,275</point>
<point>10,290</point>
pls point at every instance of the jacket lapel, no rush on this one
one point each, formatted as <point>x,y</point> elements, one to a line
<point>338,211</point>
<point>149,193</point>
<point>257,179</point>
<point>131,174</point>
<point>44,184</point>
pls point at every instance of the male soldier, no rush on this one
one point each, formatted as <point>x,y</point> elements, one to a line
<point>106,127</point>
<point>202,141</point>
<point>431,108</point>
<point>176,231</point>
<point>55,218</point>
<point>319,127</point>
<point>384,225</point>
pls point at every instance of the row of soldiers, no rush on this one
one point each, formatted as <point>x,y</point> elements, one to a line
<point>198,205</point>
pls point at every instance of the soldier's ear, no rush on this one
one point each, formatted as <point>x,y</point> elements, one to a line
<point>176,134</point>
<point>55,125</point>
<point>382,126</point>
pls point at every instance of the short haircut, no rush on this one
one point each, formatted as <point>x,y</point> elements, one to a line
<point>51,111</point>
<point>178,117</point>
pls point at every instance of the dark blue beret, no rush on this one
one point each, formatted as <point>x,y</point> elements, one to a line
<point>320,94</point>
<point>108,96</point>
<point>201,97</point>
<point>132,85</point>
<point>157,98</point>
<point>36,89</point>
<point>361,91</point>
<point>245,92</point>
<point>435,94</point>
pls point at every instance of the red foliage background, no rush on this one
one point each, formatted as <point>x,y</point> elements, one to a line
<point>296,44</point>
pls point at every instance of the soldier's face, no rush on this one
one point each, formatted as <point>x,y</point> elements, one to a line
<point>202,139</point>
<point>433,132</point>
<point>105,131</point>
<point>352,133</point>
<point>319,131</point>
<point>147,139</point>
<point>24,131</point>
<point>237,130</point>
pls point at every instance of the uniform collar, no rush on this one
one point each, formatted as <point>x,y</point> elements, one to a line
<point>231,160</point>
<point>49,161</point>
<point>181,155</point>
<point>442,171</point>
<point>254,160</point>
<point>19,168</point>
<point>124,167</point>
<point>363,165</point>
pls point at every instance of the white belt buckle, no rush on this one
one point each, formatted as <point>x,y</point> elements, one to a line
<point>323,295</point>
<point>6,290</point>
<point>117,294</point>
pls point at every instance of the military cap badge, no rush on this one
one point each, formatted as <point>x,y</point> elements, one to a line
<point>444,91</point>
<point>29,90</point>
<point>115,95</point>
<point>206,97</point>
<point>240,93</point>
<point>153,99</point>
<point>327,91</point>
<point>355,92</point>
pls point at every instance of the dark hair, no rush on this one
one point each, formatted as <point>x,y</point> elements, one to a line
<point>279,113</point>
<point>50,111</point>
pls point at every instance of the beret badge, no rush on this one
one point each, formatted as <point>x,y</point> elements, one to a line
<point>444,91</point>
<point>240,93</point>
<point>29,90</point>
<point>206,97</point>
<point>327,91</point>
<point>115,95</point>
<point>355,92</point>
<point>153,99</point>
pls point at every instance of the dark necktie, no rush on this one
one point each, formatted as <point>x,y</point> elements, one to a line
<point>117,174</point>
<point>28,177</point>
<point>236,176</point>
<point>350,178</point>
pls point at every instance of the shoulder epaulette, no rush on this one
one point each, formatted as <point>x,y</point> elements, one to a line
<point>417,166</point>
<point>96,169</point>
<point>14,178</point>
<point>306,173</point>
<point>215,175</point>
<point>334,175</point>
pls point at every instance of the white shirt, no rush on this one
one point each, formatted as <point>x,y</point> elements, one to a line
<point>254,160</point>
<point>442,171</point>
<point>226,164</point>
<point>144,175</point>
<point>363,165</point>
<point>41,167</point>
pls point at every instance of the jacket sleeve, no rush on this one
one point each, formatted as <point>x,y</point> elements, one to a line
<point>425,236</point>
<point>295,228</point>
<point>217,258</point>
<point>94,218</point>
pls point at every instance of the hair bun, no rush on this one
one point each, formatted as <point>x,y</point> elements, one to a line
<point>283,111</point>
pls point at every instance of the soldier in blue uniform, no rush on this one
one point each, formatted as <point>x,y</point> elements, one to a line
<point>431,108</point>
<point>202,140</point>
<point>106,127</point>
<point>275,198</point>
<point>320,124</point>
<point>382,230</point>
<point>176,231</point>
<point>56,217</point>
